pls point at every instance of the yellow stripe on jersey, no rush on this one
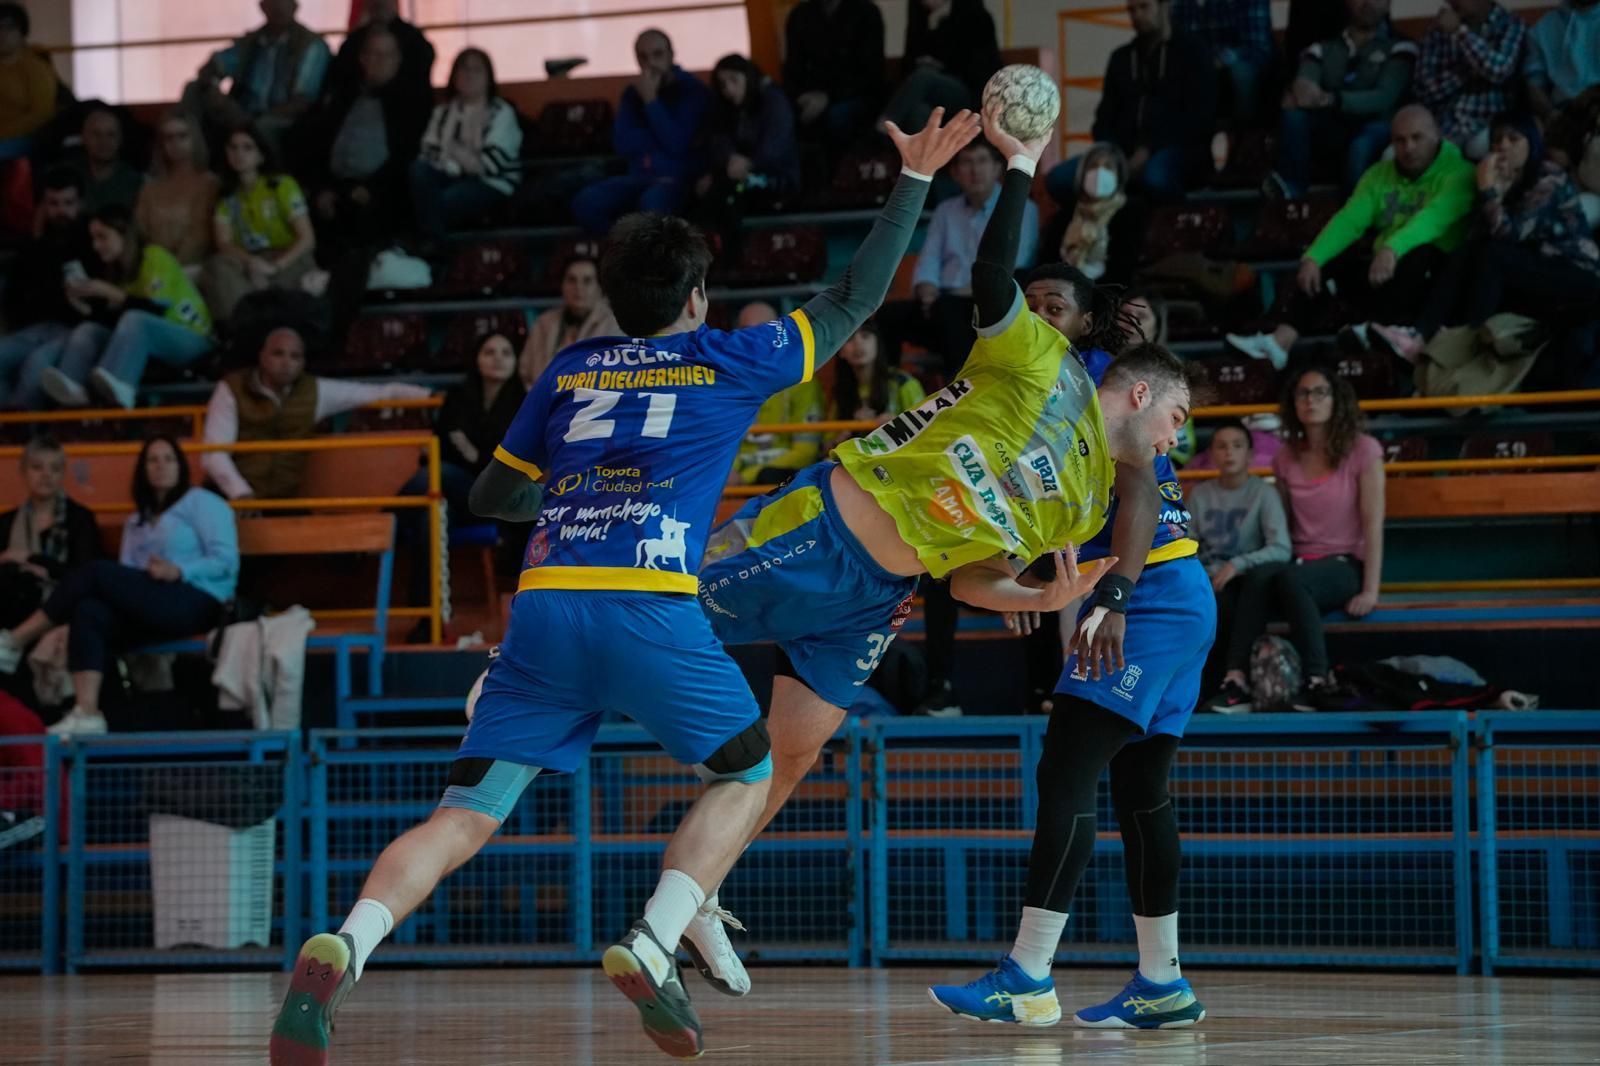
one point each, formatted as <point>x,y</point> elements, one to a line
<point>808,341</point>
<point>607,579</point>
<point>1181,548</point>
<point>514,463</point>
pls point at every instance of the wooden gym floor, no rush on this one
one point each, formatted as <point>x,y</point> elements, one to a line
<point>811,1016</point>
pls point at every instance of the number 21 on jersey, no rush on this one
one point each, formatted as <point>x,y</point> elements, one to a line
<point>590,421</point>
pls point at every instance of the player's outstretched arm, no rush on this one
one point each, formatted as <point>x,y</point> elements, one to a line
<point>994,288</point>
<point>991,584</point>
<point>838,311</point>
<point>505,493</point>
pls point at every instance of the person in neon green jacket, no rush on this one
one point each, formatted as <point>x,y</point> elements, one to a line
<point>1416,207</point>
<point>140,306</point>
<point>769,458</point>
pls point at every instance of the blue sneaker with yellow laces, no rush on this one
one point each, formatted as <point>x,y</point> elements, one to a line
<point>1004,994</point>
<point>1144,1004</point>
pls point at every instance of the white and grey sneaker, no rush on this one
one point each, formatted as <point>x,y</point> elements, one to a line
<point>62,389</point>
<point>10,652</point>
<point>1261,346</point>
<point>79,723</point>
<point>114,389</point>
<point>706,941</point>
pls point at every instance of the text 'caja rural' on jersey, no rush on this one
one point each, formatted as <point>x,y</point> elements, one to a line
<point>1171,540</point>
<point>1009,459</point>
<point>632,475</point>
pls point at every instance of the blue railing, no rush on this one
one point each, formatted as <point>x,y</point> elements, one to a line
<point>1419,839</point>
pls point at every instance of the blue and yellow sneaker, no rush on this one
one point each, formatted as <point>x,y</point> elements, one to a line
<point>322,978</point>
<point>1004,994</point>
<point>1145,1005</point>
<point>647,974</point>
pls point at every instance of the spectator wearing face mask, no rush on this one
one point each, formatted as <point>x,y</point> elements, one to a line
<point>1086,244</point>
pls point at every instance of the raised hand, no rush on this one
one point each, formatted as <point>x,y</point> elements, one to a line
<point>1008,145</point>
<point>938,142</point>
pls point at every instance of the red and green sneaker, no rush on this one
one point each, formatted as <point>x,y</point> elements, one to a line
<point>322,978</point>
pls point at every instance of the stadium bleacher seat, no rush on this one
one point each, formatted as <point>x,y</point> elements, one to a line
<point>1370,373</point>
<point>564,249</point>
<point>862,178</point>
<point>465,330</point>
<point>1201,228</point>
<point>485,267</point>
<point>1240,379</point>
<point>1284,228</point>
<point>1508,444</point>
<point>575,128</point>
<point>779,255</point>
<point>382,343</point>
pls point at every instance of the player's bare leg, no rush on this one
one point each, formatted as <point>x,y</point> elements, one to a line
<point>800,723</point>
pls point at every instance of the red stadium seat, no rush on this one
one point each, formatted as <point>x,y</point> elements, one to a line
<point>391,420</point>
<point>565,249</point>
<point>381,343</point>
<point>1508,444</point>
<point>1406,450</point>
<point>486,268</point>
<point>575,127</point>
<point>1370,373</point>
<point>462,335</point>
<point>780,255</point>
<point>862,178</point>
<point>1240,379</point>
<point>1204,228</point>
<point>1285,228</point>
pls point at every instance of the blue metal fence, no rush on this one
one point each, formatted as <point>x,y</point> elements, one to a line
<point>1308,839</point>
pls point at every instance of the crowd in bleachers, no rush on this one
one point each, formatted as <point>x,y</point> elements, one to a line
<point>1421,191</point>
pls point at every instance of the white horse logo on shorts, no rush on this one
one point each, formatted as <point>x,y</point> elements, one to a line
<point>670,545</point>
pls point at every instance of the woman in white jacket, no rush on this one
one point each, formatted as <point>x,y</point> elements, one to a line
<point>470,159</point>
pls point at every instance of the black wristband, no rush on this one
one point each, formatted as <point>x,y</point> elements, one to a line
<point>1113,593</point>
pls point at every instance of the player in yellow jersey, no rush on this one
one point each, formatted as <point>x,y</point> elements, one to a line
<point>1016,458</point>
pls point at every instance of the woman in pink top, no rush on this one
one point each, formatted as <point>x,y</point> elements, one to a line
<point>1330,475</point>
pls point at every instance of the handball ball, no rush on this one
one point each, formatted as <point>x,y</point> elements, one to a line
<point>1026,100</point>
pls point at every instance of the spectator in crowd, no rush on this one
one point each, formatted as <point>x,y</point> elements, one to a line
<point>951,51</point>
<point>1330,476</point>
<point>277,72</point>
<point>1563,57</point>
<point>1532,248</point>
<point>1238,34</point>
<point>833,67</point>
<point>178,567</point>
<point>1416,205</point>
<point>772,458</point>
<point>262,229</point>
<point>657,133</point>
<point>107,177</point>
<point>1158,106</point>
<point>751,147</point>
<point>143,307</point>
<point>1100,195</point>
<point>471,151</point>
<point>277,400</point>
<point>1468,70</point>
<point>416,54</point>
<point>27,83</point>
<point>583,313</point>
<point>176,205</point>
<point>47,535</point>
<point>1142,317</point>
<point>1338,108</point>
<point>1244,543</point>
<point>38,310</point>
<point>368,138</point>
<point>474,419</point>
<point>939,315</point>
<point>865,387</point>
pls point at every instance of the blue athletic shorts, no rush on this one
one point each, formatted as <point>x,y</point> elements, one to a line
<point>1172,620</point>
<point>571,655</point>
<point>785,569</point>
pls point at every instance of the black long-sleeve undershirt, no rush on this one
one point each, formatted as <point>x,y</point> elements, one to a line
<point>994,287</point>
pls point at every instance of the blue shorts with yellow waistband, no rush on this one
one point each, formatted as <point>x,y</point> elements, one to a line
<point>786,569</point>
<point>1172,621</point>
<point>571,655</point>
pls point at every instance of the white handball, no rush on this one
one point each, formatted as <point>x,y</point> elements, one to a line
<point>1024,100</point>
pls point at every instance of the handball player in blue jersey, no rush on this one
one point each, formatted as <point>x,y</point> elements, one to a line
<point>618,456</point>
<point>1139,650</point>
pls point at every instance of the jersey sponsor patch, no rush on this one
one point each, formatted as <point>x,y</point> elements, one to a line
<point>993,505</point>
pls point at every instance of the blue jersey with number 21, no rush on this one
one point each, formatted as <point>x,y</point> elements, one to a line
<point>633,439</point>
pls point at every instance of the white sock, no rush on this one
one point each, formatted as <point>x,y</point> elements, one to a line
<point>1158,948</point>
<point>369,922</point>
<point>1038,935</point>
<point>672,908</point>
<point>710,905</point>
